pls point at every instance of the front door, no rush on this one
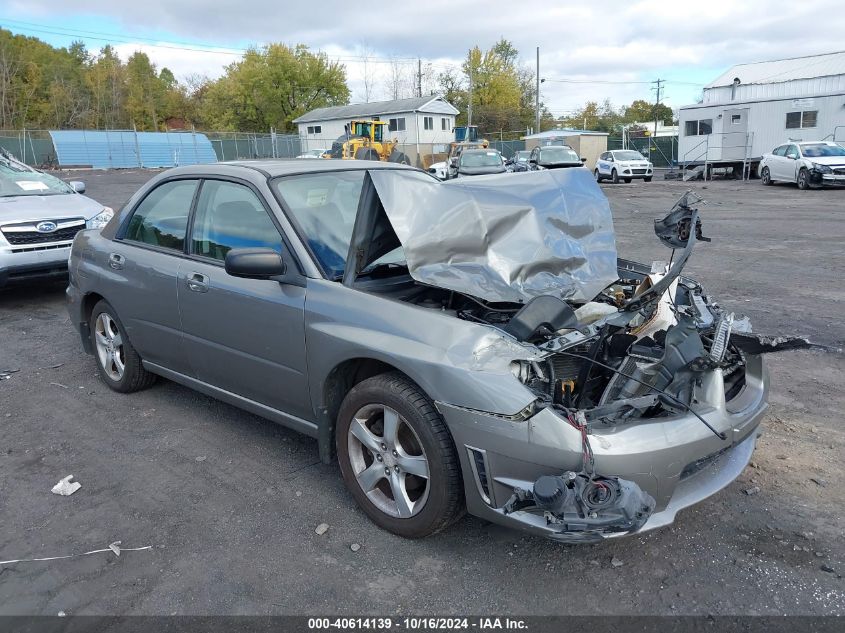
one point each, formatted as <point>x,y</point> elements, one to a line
<point>246,336</point>
<point>735,134</point>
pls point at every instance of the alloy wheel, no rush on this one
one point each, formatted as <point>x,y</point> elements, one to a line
<point>388,461</point>
<point>109,344</point>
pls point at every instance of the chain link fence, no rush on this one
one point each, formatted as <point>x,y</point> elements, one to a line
<point>35,147</point>
<point>662,151</point>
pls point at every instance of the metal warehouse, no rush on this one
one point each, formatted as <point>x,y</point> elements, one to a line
<point>751,108</point>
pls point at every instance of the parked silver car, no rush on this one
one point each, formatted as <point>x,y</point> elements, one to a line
<point>39,217</point>
<point>473,344</point>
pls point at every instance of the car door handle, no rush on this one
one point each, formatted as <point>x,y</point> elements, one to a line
<point>197,282</point>
<point>116,261</point>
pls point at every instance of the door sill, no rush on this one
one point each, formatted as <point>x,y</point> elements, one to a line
<point>269,413</point>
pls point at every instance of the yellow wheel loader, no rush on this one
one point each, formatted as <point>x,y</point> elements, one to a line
<point>367,140</point>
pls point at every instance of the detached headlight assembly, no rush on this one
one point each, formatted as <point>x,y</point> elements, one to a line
<point>822,169</point>
<point>101,219</point>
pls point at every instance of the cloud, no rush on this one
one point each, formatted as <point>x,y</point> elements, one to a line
<point>610,41</point>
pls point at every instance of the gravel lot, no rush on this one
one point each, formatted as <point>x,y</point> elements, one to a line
<point>230,502</point>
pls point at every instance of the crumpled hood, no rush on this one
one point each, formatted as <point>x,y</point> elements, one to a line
<point>70,205</point>
<point>509,237</point>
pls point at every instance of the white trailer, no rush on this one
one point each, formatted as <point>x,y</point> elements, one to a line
<point>752,108</point>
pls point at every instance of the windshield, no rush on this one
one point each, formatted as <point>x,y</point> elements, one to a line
<point>481,159</point>
<point>628,155</point>
<point>558,155</point>
<point>521,156</point>
<point>324,207</point>
<point>19,182</point>
<point>818,150</point>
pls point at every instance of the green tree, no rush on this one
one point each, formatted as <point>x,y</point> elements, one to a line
<point>272,86</point>
<point>641,111</point>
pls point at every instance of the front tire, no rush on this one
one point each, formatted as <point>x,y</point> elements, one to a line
<point>614,177</point>
<point>803,179</point>
<point>397,457</point>
<point>627,181</point>
<point>647,179</point>
<point>766,177</point>
<point>118,363</point>
<point>598,176</point>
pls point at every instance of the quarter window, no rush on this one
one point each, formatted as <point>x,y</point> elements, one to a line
<point>796,120</point>
<point>162,217</point>
<point>231,216</point>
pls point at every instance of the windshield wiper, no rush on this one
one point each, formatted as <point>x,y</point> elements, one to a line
<point>374,268</point>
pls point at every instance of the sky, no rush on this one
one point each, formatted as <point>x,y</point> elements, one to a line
<point>588,51</point>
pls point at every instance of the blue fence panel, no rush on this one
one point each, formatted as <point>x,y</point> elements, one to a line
<point>103,149</point>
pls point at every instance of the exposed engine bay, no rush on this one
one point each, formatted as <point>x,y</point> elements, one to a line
<point>636,351</point>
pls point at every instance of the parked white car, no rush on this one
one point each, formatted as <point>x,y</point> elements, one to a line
<point>623,164</point>
<point>808,164</point>
<point>314,153</point>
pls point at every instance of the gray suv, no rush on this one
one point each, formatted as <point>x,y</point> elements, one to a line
<point>470,345</point>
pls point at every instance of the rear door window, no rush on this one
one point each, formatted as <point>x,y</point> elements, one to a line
<point>161,219</point>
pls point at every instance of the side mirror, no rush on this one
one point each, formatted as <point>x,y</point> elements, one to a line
<point>254,263</point>
<point>77,185</point>
<point>584,160</point>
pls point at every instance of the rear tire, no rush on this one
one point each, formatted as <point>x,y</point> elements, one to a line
<point>614,177</point>
<point>118,364</point>
<point>766,177</point>
<point>388,430</point>
<point>399,157</point>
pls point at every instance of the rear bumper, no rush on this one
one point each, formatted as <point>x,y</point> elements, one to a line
<point>24,264</point>
<point>676,460</point>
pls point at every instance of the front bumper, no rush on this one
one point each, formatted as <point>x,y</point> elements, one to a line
<point>676,460</point>
<point>25,263</point>
<point>831,179</point>
<point>638,172</point>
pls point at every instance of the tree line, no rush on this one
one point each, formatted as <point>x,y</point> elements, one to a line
<point>47,87</point>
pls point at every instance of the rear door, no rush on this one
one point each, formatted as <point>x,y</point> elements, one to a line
<point>778,163</point>
<point>141,270</point>
<point>245,336</point>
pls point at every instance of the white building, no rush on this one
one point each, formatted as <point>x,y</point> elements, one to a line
<point>661,130</point>
<point>752,108</point>
<point>417,121</point>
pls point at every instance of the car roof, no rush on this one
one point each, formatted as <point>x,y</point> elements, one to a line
<point>480,151</point>
<point>813,143</point>
<point>272,168</point>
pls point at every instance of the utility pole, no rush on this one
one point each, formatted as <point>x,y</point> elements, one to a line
<point>537,95</point>
<point>419,77</point>
<point>469,104</point>
<point>659,84</point>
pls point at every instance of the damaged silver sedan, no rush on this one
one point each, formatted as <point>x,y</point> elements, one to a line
<point>471,345</point>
